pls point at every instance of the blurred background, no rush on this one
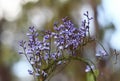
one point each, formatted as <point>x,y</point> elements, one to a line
<point>17,15</point>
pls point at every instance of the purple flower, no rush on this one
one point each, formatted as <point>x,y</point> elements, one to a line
<point>54,55</point>
<point>30,72</point>
<point>20,52</point>
<point>88,69</point>
<point>67,36</point>
<point>44,73</point>
<point>101,53</point>
<point>46,56</point>
<point>37,74</point>
<point>29,51</point>
<point>60,62</point>
<point>32,29</point>
<point>22,44</point>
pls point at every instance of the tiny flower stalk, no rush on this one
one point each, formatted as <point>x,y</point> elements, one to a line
<point>56,48</point>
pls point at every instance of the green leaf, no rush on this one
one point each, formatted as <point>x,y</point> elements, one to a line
<point>90,75</point>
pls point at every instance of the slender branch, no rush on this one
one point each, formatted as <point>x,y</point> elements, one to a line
<point>30,64</point>
<point>72,58</point>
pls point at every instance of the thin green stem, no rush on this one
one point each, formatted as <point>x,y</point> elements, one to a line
<point>72,58</point>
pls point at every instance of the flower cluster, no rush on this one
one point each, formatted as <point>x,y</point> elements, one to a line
<point>33,50</point>
<point>67,36</point>
<point>41,53</point>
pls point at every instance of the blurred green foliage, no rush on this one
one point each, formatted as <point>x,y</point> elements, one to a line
<point>9,56</point>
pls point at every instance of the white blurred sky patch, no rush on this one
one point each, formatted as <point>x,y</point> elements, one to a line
<point>12,9</point>
<point>20,69</point>
<point>112,9</point>
<point>112,14</point>
<point>39,16</point>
